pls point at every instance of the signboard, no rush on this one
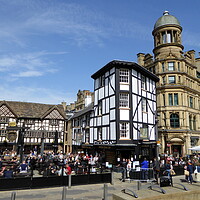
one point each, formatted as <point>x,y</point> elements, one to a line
<point>12,124</point>
<point>144,133</point>
<point>11,136</point>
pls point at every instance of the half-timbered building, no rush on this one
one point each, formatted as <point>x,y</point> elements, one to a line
<point>123,124</point>
<point>41,124</point>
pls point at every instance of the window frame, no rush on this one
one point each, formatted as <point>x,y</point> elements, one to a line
<point>144,104</point>
<point>124,102</point>
<point>174,121</point>
<point>170,81</point>
<point>171,66</point>
<point>124,75</point>
<point>124,130</point>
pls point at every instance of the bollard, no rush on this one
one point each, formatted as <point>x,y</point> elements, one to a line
<point>64,193</point>
<point>69,181</point>
<point>13,195</point>
<point>138,185</point>
<point>105,193</point>
<point>112,178</point>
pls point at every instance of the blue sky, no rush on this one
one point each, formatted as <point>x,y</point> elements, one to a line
<point>50,48</point>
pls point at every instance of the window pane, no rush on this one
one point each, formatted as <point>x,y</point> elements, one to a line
<point>174,120</point>
<point>171,79</point>
<point>176,99</point>
<point>164,37</point>
<point>124,75</point>
<point>163,67</point>
<point>123,100</point>
<point>170,100</point>
<point>170,66</point>
<point>144,105</point>
<point>143,82</point>
<point>124,130</point>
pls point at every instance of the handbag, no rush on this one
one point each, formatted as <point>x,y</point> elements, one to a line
<point>172,172</point>
<point>186,172</point>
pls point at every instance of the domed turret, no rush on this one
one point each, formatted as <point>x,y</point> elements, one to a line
<point>166,19</point>
<point>167,36</point>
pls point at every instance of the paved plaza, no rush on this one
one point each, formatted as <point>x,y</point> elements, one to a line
<point>96,192</point>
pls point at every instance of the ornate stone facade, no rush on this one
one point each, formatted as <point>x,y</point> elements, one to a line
<point>178,91</point>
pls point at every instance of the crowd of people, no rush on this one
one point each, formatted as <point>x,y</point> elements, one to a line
<point>161,166</point>
<point>50,164</point>
<point>60,164</point>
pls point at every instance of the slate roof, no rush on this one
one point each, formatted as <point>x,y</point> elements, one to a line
<point>124,64</point>
<point>32,110</point>
<point>82,112</point>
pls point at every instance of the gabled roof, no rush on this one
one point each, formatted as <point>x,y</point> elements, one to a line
<point>125,64</point>
<point>87,109</point>
<point>32,110</point>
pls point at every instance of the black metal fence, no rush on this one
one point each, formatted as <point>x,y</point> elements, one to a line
<point>54,181</point>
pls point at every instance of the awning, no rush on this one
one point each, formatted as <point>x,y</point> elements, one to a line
<point>196,148</point>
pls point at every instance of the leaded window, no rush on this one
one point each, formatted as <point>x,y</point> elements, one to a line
<point>124,130</point>
<point>124,100</point>
<point>144,104</point>
<point>143,82</point>
<point>124,75</point>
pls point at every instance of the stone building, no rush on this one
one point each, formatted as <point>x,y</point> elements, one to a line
<point>178,91</point>
<point>77,113</point>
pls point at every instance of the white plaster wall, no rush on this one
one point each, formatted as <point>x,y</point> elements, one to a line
<point>113,131</point>
<point>104,133</point>
<point>91,135</point>
<point>105,120</point>
<point>112,102</point>
<point>107,105</point>
<point>124,114</point>
<point>101,93</point>
<point>124,87</point>
<point>135,132</point>
<point>112,114</point>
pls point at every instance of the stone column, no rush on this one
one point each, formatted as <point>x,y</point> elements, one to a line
<point>163,143</point>
<point>187,144</point>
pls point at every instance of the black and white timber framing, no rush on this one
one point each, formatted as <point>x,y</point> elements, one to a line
<point>124,116</point>
<point>41,122</point>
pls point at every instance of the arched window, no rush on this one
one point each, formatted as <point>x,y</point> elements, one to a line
<point>174,120</point>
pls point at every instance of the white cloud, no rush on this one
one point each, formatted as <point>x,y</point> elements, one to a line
<point>76,22</point>
<point>28,64</point>
<point>31,94</point>
<point>28,74</point>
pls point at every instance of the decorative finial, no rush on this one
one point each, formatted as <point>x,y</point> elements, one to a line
<point>166,12</point>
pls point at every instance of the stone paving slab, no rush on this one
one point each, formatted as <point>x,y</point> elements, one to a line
<point>95,191</point>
